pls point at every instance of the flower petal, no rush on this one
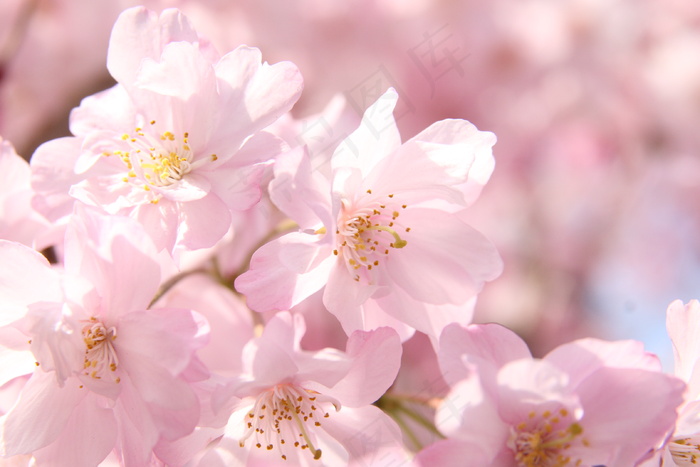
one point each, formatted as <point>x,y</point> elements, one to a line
<point>40,415</point>
<point>492,343</point>
<point>444,260</point>
<point>369,377</point>
<point>133,39</point>
<point>25,278</point>
<point>375,138</point>
<point>86,439</point>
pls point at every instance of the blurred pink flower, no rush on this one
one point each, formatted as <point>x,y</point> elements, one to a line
<point>588,402</point>
<point>108,369</point>
<point>380,235</point>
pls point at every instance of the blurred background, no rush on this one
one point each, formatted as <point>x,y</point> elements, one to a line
<point>594,202</point>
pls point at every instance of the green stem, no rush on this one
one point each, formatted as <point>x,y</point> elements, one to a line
<point>394,406</point>
<point>420,419</point>
<point>407,430</point>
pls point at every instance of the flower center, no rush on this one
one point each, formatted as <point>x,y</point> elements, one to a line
<point>542,441</point>
<point>157,160</point>
<point>685,451</point>
<point>365,235</point>
<point>100,357</point>
<point>283,415</point>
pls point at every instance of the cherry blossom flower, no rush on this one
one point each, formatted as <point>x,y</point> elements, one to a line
<point>110,374</point>
<point>683,325</point>
<point>301,406</point>
<point>177,143</point>
<point>380,235</point>
<point>586,403</point>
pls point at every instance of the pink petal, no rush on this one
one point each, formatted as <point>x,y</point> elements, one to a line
<point>103,111</point>
<point>238,187</point>
<point>52,167</point>
<point>160,221</point>
<point>229,319</point>
<point>525,385</point>
<point>299,191</point>
<point>385,311</point>
<point>626,411</point>
<point>584,356</point>
<point>181,72</point>
<point>344,297</point>
<point>270,285</point>
<point>139,33</point>
<point>376,137</point>
<point>116,255</point>
<point>369,377</point>
<point>25,278</point>
<point>16,359</point>
<point>493,343</point>
<point>444,261</point>
<point>192,187</point>
<point>203,222</point>
<point>452,453</point>
<point>470,413</point>
<point>164,337</point>
<point>138,432</point>
<point>256,93</point>
<point>421,171</point>
<point>183,450</point>
<point>272,92</point>
<point>14,170</point>
<point>40,415</point>
<point>475,143</point>
<point>683,326</point>
<point>86,439</point>
<point>367,434</point>
<point>273,361</point>
<point>424,317</point>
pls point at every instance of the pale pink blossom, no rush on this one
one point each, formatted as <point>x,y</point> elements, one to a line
<point>586,403</point>
<point>380,236</point>
<point>310,408</point>
<point>683,326</point>
<point>177,143</point>
<point>110,374</point>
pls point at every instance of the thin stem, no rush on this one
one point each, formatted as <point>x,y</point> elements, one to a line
<point>394,406</point>
<point>431,402</point>
<point>170,283</point>
<point>413,438</point>
<point>420,419</point>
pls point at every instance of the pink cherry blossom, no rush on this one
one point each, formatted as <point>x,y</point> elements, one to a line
<point>683,325</point>
<point>177,143</point>
<point>587,403</point>
<point>311,408</point>
<point>109,372</point>
<point>381,235</point>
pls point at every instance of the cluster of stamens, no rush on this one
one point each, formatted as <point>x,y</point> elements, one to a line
<point>157,161</point>
<point>365,235</point>
<point>685,451</point>
<point>281,418</point>
<point>542,441</point>
<point>100,357</point>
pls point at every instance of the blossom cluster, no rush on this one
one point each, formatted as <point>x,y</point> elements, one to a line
<point>185,284</point>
